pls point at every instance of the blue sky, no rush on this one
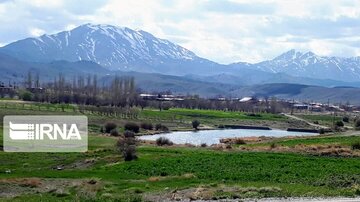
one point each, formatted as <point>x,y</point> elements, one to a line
<point>221,30</point>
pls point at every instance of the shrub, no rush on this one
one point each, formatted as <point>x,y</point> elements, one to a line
<point>253,114</point>
<point>240,141</point>
<point>339,123</point>
<point>161,127</point>
<point>316,122</point>
<point>357,124</point>
<point>114,132</point>
<point>146,126</point>
<point>355,145</point>
<point>129,134</point>
<point>195,124</point>
<point>346,119</point>
<point>109,126</point>
<point>166,106</point>
<point>129,153</point>
<point>26,95</point>
<point>132,127</point>
<point>273,145</point>
<point>163,141</point>
<point>203,145</point>
<point>322,131</point>
<point>127,147</point>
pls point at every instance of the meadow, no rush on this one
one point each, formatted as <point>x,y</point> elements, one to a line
<point>101,174</point>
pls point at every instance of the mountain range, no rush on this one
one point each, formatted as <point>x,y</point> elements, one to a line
<point>159,64</point>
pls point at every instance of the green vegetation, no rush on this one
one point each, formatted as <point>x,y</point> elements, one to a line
<point>109,127</point>
<point>355,145</point>
<point>327,120</point>
<point>161,141</point>
<point>195,124</point>
<point>295,174</point>
<point>339,123</point>
<point>118,168</point>
<point>339,140</point>
<point>190,114</point>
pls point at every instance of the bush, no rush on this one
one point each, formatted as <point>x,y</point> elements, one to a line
<point>109,127</point>
<point>114,132</point>
<point>166,106</point>
<point>316,122</point>
<point>345,119</point>
<point>203,145</point>
<point>273,146</point>
<point>195,124</point>
<point>357,124</point>
<point>127,147</point>
<point>240,141</point>
<point>26,95</point>
<point>163,141</point>
<point>129,134</point>
<point>132,127</point>
<point>129,153</point>
<point>322,131</point>
<point>146,126</point>
<point>355,145</point>
<point>339,124</point>
<point>161,127</point>
<point>253,114</point>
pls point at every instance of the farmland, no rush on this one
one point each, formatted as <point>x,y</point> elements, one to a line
<point>100,174</point>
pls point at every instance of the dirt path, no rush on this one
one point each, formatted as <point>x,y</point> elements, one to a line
<point>306,121</point>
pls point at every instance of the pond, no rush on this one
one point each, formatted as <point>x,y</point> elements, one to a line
<point>210,137</point>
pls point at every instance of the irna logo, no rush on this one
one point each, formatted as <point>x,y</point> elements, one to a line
<point>22,131</point>
<point>45,133</point>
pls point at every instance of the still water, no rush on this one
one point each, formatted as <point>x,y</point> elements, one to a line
<point>210,137</point>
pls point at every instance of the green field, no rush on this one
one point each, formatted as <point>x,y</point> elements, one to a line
<point>166,169</point>
<point>175,118</point>
<point>327,120</point>
<point>327,140</point>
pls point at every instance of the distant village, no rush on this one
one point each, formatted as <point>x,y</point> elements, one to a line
<point>10,90</point>
<point>292,104</point>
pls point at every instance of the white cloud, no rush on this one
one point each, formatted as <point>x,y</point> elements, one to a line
<point>225,31</point>
<point>36,32</point>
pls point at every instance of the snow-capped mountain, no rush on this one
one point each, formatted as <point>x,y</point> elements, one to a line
<point>308,64</point>
<point>116,48</point>
<point>121,48</point>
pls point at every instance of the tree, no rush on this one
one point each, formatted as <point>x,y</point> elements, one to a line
<point>195,124</point>
<point>26,95</point>
<point>127,146</point>
<point>28,81</point>
<point>109,127</point>
<point>132,127</point>
<point>357,124</point>
<point>339,123</point>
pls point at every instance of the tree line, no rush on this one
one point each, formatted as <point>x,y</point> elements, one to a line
<point>118,91</point>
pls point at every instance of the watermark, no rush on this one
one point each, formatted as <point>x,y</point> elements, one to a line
<point>45,134</point>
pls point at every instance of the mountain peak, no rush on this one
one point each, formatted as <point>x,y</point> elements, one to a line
<point>289,55</point>
<point>99,26</point>
<point>114,47</point>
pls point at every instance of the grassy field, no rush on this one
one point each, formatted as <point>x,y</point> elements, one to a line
<point>321,140</point>
<point>176,119</point>
<point>322,119</point>
<point>101,175</point>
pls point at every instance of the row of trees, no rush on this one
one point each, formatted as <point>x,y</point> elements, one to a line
<point>116,91</point>
<point>121,92</point>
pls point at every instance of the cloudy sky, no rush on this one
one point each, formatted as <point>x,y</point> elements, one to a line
<point>221,30</point>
